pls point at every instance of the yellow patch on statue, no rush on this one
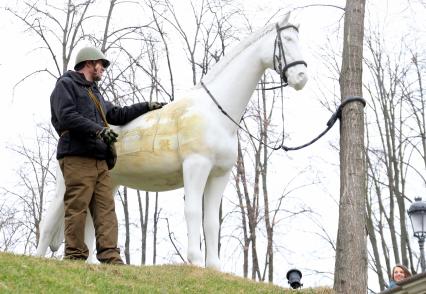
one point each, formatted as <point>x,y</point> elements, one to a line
<point>167,132</point>
<point>129,143</point>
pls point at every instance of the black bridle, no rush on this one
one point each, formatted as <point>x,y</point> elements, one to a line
<point>282,68</point>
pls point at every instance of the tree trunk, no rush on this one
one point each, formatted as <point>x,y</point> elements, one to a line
<point>127,225</point>
<point>156,217</point>
<point>269,256</point>
<point>351,251</point>
<point>241,176</point>
<point>143,221</point>
<point>219,243</point>
<point>374,245</point>
<point>145,227</point>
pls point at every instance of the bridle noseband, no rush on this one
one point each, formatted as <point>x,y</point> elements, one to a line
<point>282,68</point>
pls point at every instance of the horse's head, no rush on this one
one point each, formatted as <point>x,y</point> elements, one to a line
<point>287,58</point>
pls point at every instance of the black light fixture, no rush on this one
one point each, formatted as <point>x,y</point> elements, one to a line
<point>294,276</point>
<point>417,214</point>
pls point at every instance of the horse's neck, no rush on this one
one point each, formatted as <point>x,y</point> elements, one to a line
<point>235,84</point>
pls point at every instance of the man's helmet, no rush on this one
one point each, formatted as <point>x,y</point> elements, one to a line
<point>90,53</point>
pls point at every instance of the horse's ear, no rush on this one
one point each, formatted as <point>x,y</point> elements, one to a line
<point>285,20</point>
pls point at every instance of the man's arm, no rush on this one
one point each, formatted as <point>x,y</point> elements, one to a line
<point>121,115</point>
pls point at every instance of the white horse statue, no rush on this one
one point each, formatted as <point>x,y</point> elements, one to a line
<point>191,142</point>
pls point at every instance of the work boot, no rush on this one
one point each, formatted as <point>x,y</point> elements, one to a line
<point>74,258</point>
<point>110,256</point>
<point>114,261</point>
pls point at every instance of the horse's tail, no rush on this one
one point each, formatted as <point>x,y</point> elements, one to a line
<point>52,225</point>
<point>58,237</point>
<point>58,232</point>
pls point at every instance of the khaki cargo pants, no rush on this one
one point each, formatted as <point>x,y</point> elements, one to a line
<point>88,185</point>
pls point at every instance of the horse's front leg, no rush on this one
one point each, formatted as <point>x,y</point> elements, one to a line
<point>89,237</point>
<point>196,169</point>
<point>212,198</point>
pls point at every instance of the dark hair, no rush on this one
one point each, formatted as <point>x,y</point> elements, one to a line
<point>79,66</point>
<point>406,271</point>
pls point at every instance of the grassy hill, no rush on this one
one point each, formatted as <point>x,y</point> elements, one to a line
<point>24,274</point>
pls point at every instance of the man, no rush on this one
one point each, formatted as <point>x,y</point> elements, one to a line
<point>82,150</point>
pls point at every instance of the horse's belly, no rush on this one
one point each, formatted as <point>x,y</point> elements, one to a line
<point>149,171</point>
<point>148,154</point>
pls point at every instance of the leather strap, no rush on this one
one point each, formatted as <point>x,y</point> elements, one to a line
<point>98,105</point>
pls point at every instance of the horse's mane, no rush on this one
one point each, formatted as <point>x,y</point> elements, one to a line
<point>225,60</point>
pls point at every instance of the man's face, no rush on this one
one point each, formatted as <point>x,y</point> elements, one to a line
<point>97,70</point>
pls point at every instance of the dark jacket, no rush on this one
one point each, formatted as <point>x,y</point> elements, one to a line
<point>77,120</point>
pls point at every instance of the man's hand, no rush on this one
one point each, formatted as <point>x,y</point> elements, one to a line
<point>155,105</point>
<point>108,136</point>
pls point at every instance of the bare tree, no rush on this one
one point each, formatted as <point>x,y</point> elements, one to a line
<point>393,153</point>
<point>36,177</point>
<point>156,218</point>
<point>207,39</point>
<point>414,94</point>
<point>10,226</point>
<point>61,31</point>
<point>249,212</point>
<point>143,221</point>
<point>256,206</point>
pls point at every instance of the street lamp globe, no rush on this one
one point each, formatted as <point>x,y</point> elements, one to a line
<point>417,214</point>
<point>294,276</point>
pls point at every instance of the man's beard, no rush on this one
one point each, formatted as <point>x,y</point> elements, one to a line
<point>97,74</point>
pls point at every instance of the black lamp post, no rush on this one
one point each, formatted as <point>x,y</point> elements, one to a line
<point>294,276</point>
<point>417,213</point>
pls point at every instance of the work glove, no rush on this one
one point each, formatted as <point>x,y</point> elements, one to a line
<point>108,136</point>
<point>155,105</point>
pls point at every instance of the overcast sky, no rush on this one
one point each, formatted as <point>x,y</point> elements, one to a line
<point>305,117</point>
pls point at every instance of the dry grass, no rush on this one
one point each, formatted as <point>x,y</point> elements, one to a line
<point>23,274</point>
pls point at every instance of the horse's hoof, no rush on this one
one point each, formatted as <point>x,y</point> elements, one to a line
<point>213,264</point>
<point>196,259</point>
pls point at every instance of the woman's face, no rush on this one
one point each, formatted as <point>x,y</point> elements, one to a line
<point>398,274</point>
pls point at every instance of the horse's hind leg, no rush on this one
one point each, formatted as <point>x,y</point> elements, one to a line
<point>212,198</point>
<point>196,169</point>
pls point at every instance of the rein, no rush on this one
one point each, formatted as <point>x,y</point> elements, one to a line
<point>330,123</point>
<point>231,119</point>
<point>281,69</point>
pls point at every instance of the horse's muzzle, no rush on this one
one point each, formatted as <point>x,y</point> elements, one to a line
<point>297,77</point>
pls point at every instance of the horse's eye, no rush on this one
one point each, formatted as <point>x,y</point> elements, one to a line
<point>288,38</point>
